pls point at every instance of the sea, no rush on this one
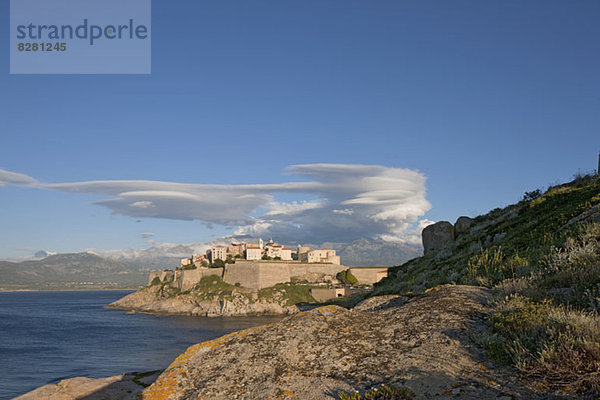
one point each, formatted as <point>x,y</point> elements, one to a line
<point>49,336</point>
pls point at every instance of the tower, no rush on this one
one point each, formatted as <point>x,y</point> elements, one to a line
<point>598,170</point>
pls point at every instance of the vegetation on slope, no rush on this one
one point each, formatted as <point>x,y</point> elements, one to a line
<point>542,255</point>
<point>213,288</point>
<point>287,294</point>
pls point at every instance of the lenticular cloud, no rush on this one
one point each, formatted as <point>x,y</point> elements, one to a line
<point>347,202</point>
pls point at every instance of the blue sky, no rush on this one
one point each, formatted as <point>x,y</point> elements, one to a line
<point>485,99</point>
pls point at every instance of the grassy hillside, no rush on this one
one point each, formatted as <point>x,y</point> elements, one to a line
<point>542,257</point>
<point>214,288</point>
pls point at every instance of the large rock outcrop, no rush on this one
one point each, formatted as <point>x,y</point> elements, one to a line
<point>437,236</point>
<point>424,344</point>
<point>462,225</point>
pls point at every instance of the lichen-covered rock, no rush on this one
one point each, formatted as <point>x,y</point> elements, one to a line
<point>380,302</point>
<point>437,236</point>
<point>425,344</point>
<point>149,300</point>
<point>462,225</point>
<point>117,387</point>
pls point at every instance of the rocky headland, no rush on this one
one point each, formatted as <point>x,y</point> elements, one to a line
<point>228,302</point>
<point>247,289</point>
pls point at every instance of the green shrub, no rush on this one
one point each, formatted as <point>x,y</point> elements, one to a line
<point>489,267</point>
<point>155,281</point>
<point>288,294</point>
<point>534,194</point>
<point>346,277</point>
<point>383,392</point>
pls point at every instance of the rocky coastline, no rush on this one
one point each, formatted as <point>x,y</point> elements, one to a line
<point>153,300</point>
<point>425,345</point>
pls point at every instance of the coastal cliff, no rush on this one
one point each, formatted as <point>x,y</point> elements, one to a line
<point>214,298</point>
<point>244,289</point>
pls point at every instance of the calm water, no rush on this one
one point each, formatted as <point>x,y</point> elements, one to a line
<point>48,336</point>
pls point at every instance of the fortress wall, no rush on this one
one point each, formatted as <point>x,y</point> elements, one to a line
<point>153,274</point>
<point>369,276</point>
<point>188,278</point>
<point>162,275</point>
<point>246,274</point>
<point>257,275</point>
<point>315,272</point>
<point>324,294</point>
<point>271,274</point>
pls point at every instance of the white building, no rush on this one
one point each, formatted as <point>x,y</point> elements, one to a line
<point>253,252</point>
<point>197,259</point>
<point>286,254</point>
<point>273,250</point>
<point>186,261</point>
<point>320,256</point>
<point>236,250</point>
<point>217,253</point>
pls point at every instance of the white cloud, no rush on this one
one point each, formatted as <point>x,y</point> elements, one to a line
<point>146,235</point>
<point>345,211</point>
<point>15,179</point>
<point>350,202</point>
<point>142,204</point>
<point>276,208</point>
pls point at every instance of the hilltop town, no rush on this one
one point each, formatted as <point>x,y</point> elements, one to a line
<point>219,255</point>
<point>249,279</point>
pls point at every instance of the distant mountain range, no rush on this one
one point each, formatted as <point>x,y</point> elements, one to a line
<point>367,252</point>
<point>76,271</point>
<point>362,252</point>
<point>129,268</point>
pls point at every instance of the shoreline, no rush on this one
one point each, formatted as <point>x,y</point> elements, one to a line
<point>211,316</point>
<point>65,290</point>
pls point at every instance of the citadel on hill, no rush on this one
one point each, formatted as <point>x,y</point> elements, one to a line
<point>259,265</point>
<point>218,255</point>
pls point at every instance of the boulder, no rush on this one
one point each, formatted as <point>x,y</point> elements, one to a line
<point>437,236</point>
<point>462,225</point>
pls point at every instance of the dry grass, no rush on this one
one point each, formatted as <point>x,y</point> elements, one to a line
<point>557,344</point>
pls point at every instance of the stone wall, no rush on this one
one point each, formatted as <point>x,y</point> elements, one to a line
<point>315,272</point>
<point>162,275</point>
<point>256,275</point>
<point>261,274</point>
<point>188,278</point>
<point>271,274</point>
<point>369,276</point>
<point>324,294</point>
<point>246,275</point>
